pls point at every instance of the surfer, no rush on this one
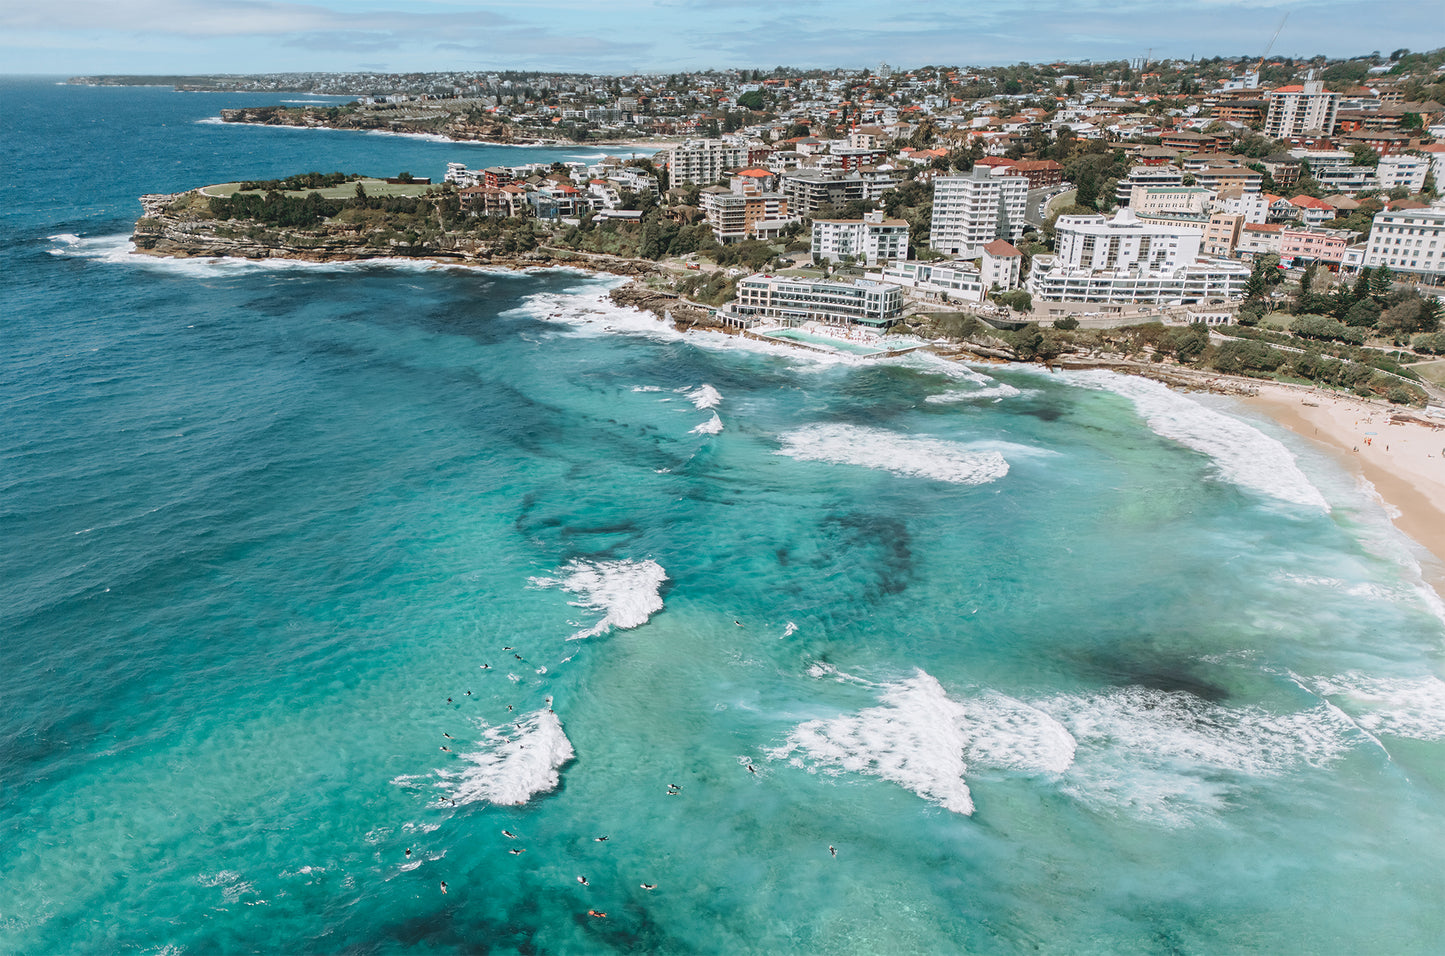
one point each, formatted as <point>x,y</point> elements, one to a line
<point>408,853</point>
<point>444,886</point>
<point>583,881</point>
<point>509,834</point>
<point>601,839</point>
<point>648,886</point>
<point>833,851</point>
<point>517,852</point>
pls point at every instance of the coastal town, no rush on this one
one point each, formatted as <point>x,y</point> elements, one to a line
<point>1290,204</point>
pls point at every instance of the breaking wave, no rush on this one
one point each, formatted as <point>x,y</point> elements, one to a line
<point>1243,454</point>
<point>627,592</point>
<point>1167,757</point>
<point>514,764</point>
<point>899,454</point>
<point>712,426</point>
<point>705,396</point>
<point>995,392</point>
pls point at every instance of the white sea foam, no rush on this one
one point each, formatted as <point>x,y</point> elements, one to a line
<point>590,312</point>
<point>119,250</point>
<point>646,388</point>
<point>790,630</point>
<point>1166,757</point>
<point>914,740</point>
<point>514,764</point>
<point>1009,734</point>
<point>899,454</point>
<point>712,426</point>
<point>996,392</point>
<point>627,592</point>
<point>705,396</point>
<point>1243,454</point>
<point>1171,757</point>
<point>1395,707</point>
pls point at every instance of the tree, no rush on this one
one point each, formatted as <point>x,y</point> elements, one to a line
<point>1381,283</point>
<point>1363,314</point>
<point>1254,286</point>
<point>1088,189</point>
<point>1362,284</point>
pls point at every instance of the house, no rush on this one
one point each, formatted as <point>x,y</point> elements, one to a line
<point>1001,265</point>
<point>1325,246</point>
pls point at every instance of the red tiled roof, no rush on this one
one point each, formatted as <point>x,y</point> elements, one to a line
<point>1001,248</point>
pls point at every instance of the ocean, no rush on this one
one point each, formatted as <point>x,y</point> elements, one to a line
<point>392,607</point>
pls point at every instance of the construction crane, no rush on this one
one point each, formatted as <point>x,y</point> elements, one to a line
<point>1260,65</point>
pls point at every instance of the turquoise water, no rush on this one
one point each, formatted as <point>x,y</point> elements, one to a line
<point>827,342</point>
<point>1055,663</point>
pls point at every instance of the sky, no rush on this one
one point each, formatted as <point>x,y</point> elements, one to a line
<point>627,36</point>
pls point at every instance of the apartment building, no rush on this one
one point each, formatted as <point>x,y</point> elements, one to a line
<point>971,211</point>
<point>702,161</point>
<point>869,240</point>
<point>1296,110</point>
<point>1409,240</point>
<point>1306,244</point>
<point>1221,235</point>
<point>1402,169</point>
<point>1125,260</point>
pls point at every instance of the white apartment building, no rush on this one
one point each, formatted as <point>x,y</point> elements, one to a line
<point>869,240</point>
<point>1253,207</point>
<point>1147,176</point>
<point>1125,260</point>
<point>702,160</point>
<point>1295,110</point>
<point>1169,200</point>
<point>951,281</point>
<point>1099,243</point>
<point>793,301</point>
<point>1399,169</point>
<point>971,211</point>
<point>1409,240</point>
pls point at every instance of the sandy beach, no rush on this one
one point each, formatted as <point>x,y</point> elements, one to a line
<point>1398,450</point>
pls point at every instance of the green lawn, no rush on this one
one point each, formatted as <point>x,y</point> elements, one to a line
<point>374,187</point>
<point>1432,372</point>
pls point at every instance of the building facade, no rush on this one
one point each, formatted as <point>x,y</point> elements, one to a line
<point>971,211</point>
<point>793,301</point>
<point>1296,110</point>
<point>702,161</point>
<point>1409,240</point>
<point>869,240</point>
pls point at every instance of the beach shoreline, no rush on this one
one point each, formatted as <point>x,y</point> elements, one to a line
<point>1397,450</point>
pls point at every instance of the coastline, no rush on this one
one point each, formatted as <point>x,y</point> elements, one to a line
<point>1397,450</point>
<point>630,145</point>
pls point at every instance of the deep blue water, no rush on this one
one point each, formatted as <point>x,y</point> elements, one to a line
<point>1055,663</point>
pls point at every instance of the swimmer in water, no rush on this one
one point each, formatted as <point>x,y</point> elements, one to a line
<point>509,708</point>
<point>832,851</point>
<point>596,914</point>
<point>752,769</point>
<point>449,700</point>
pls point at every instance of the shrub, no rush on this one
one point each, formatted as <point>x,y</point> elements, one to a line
<point>1068,323</point>
<point>1243,355</point>
<point>1319,327</point>
<point>1429,343</point>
